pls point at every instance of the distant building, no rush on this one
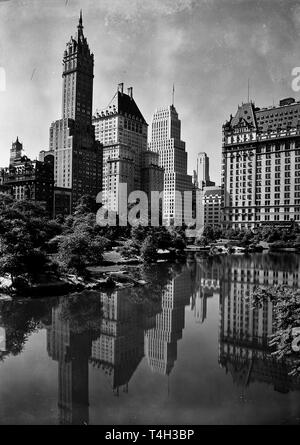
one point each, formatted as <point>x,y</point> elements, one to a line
<point>206,195</point>
<point>78,156</point>
<point>44,153</point>
<point>202,173</point>
<point>166,141</point>
<point>261,165</point>
<point>210,206</point>
<point>15,151</point>
<point>123,131</point>
<point>25,179</point>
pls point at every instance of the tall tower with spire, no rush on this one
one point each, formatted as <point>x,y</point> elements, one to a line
<point>78,156</point>
<point>78,75</point>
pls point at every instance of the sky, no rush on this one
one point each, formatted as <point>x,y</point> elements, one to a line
<point>207,48</point>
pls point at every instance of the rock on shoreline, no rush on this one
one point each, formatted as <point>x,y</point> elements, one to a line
<point>99,279</point>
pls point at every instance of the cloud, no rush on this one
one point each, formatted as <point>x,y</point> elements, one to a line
<point>296,17</point>
<point>134,9</point>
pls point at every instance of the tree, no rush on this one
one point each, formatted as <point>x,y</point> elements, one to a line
<point>129,249</point>
<point>82,311</point>
<point>202,241</point>
<point>86,204</point>
<point>286,310</point>
<point>179,242</point>
<point>247,237</point>
<point>77,250</point>
<point>211,234</point>
<point>24,233</point>
<point>21,319</point>
<point>149,250</point>
<point>139,233</point>
<point>232,234</point>
<point>163,237</point>
<point>21,252</point>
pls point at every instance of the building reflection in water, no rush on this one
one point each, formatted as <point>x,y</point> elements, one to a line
<point>245,331</point>
<point>114,331</point>
<point>161,340</point>
<point>72,351</point>
<point>120,346</point>
<point>206,284</point>
<point>130,327</point>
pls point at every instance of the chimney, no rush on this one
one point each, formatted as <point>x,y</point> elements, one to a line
<point>130,92</point>
<point>121,87</point>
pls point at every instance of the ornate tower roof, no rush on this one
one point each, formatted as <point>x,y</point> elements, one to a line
<point>79,41</point>
<point>78,70</point>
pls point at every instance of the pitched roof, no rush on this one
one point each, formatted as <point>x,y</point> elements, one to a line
<point>245,114</point>
<point>126,104</point>
<point>122,104</point>
<point>282,116</point>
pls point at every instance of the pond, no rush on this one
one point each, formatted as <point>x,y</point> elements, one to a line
<point>188,348</point>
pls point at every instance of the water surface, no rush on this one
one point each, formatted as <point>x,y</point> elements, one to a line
<point>186,349</point>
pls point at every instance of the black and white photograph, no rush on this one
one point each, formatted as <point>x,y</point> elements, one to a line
<point>149,215</point>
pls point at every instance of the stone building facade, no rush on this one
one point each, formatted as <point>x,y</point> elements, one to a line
<point>261,165</point>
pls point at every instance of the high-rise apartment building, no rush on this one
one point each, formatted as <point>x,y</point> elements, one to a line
<point>261,165</point>
<point>78,156</point>
<point>166,141</point>
<point>123,131</point>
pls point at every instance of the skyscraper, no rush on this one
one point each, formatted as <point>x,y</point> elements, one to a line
<point>123,131</point>
<point>166,141</point>
<point>78,156</point>
<point>203,176</point>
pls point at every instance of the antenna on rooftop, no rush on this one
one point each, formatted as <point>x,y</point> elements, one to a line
<point>173,95</point>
